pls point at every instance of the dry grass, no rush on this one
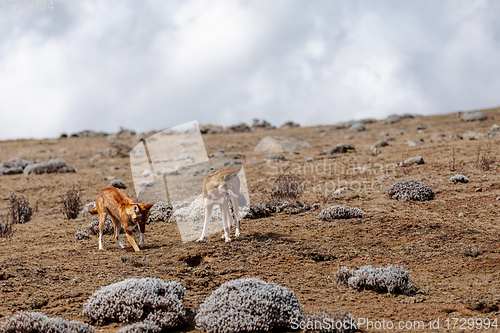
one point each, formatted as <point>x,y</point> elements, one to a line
<point>20,210</point>
<point>484,160</point>
<point>71,204</point>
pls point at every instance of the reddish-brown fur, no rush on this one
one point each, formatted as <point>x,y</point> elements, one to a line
<point>122,210</point>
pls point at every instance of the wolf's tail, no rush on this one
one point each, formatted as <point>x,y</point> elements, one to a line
<point>92,210</point>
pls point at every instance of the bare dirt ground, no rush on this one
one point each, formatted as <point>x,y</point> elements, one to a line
<point>43,267</point>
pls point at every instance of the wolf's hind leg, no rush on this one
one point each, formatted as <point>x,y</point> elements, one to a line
<point>102,219</point>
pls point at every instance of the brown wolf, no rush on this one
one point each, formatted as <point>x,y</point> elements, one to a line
<point>123,211</point>
<point>220,188</point>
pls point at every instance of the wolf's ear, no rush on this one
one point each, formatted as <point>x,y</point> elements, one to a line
<point>148,205</point>
<point>136,209</point>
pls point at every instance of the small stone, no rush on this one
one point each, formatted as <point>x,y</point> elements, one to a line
<point>380,143</point>
<point>413,160</point>
<point>275,158</point>
<point>461,215</point>
<point>479,189</point>
<point>118,183</point>
<point>309,159</point>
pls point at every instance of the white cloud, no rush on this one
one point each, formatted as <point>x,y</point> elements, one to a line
<point>155,64</point>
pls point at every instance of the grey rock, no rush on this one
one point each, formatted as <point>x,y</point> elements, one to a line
<point>493,131</point>
<point>357,127</point>
<point>473,116</point>
<point>118,183</point>
<point>309,159</point>
<point>393,118</point>
<point>55,165</point>
<point>456,136</point>
<point>275,158</point>
<point>380,143</point>
<point>15,162</point>
<point>338,149</point>
<point>413,143</point>
<point>413,160</point>
<point>278,144</point>
<point>167,172</point>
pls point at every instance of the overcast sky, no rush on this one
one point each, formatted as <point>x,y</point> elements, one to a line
<point>155,64</point>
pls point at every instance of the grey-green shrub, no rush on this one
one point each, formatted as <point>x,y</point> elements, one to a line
<point>141,327</point>
<point>37,322</point>
<point>248,305</point>
<point>410,190</point>
<point>339,212</point>
<point>392,279</point>
<point>134,300</point>
<point>458,179</point>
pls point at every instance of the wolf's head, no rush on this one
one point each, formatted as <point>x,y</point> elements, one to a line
<point>139,213</point>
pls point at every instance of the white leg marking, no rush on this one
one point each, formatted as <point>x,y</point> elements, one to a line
<point>208,216</point>
<point>102,219</point>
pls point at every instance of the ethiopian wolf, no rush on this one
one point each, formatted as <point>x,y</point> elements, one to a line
<point>123,211</point>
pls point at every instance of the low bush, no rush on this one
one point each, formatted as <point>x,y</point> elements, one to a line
<point>71,204</point>
<point>20,210</point>
<point>392,279</point>
<point>248,305</point>
<point>133,300</point>
<point>5,229</point>
<point>93,226</point>
<point>141,327</point>
<point>410,190</point>
<point>339,212</point>
<point>37,322</point>
<point>161,211</point>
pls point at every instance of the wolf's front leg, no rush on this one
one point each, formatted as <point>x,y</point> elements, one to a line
<point>226,220</point>
<point>234,202</point>
<point>132,240</point>
<point>208,216</point>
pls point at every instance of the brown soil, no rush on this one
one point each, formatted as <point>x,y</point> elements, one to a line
<point>43,267</point>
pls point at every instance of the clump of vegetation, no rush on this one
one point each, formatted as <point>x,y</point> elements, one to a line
<point>5,229</point>
<point>262,209</point>
<point>20,210</point>
<point>483,303</point>
<point>93,227</point>
<point>71,204</point>
<point>248,305</point>
<point>161,211</point>
<point>37,322</point>
<point>472,251</point>
<point>141,327</point>
<point>285,193</point>
<point>81,234</point>
<point>484,160</point>
<point>458,179</point>
<point>410,190</point>
<point>133,300</point>
<point>392,279</point>
<point>339,212</point>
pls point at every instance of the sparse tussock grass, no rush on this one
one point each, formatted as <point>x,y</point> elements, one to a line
<point>20,210</point>
<point>391,279</point>
<point>134,300</point>
<point>248,305</point>
<point>285,193</point>
<point>472,251</point>
<point>484,160</point>
<point>5,229</point>
<point>71,204</point>
<point>37,322</point>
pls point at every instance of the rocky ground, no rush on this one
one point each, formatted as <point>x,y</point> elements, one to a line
<point>450,245</point>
